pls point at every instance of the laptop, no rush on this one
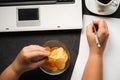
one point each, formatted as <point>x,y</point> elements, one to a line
<point>40,15</point>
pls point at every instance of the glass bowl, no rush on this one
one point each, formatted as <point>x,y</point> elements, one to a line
<point>52,44</point>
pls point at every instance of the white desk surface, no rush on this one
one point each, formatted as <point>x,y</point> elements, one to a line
<point>111,59</point>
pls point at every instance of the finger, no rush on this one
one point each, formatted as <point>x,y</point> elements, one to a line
<point>38,58</point>
<point>37,55</point>
<point>101,25</point>
<point>89,29</point>
<point>104,30</point>
<point>35,47</point>
<point>38,64</point>
<point>40,53</point>
<point>104,24</point>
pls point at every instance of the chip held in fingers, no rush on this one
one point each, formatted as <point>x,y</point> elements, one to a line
<point>57,59</point>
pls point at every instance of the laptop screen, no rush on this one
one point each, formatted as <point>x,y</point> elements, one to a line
<point>31,2</point>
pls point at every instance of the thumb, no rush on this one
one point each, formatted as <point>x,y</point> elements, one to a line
<point>39,63</point>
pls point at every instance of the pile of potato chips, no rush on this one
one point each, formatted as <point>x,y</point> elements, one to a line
<point>57,59</point>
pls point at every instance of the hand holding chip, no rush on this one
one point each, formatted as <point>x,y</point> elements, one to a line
<point>30,57</point>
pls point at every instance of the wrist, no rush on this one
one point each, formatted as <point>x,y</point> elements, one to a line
<point>9,74</point>
<point>16,68</point>
<point>96,52</point>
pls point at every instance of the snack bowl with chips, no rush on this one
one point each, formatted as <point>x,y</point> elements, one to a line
<point>59,59</point>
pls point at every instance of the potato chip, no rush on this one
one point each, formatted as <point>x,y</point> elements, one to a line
<point>65,55</point>
<point>47,48</point>
<point>54,48</point>
<point>53,54</point>
<point>60,52</point>
<point>57,59</point>
<point>60,63</point>
<point>50,67</point>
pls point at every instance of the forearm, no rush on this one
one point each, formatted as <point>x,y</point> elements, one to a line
<point>9,74</point>
<point>93,69</point>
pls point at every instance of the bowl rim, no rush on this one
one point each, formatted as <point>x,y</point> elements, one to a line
<point>61,44</point>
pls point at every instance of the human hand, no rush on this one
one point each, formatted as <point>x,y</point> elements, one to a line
<point>30,57</point>
<point>103,33</point>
